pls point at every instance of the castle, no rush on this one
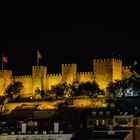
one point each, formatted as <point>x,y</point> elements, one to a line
<point>104,71</point>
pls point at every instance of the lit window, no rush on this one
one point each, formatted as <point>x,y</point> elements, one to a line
<point>103,122</point>
<point>97,122</point>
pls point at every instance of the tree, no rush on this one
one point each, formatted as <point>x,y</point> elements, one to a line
<point>43,93</point>
<point>76,89</point>
<point>126,87</point>
<point>113,88</point>
<point>73,88</point>
<point>60,90</point>
<point>134,86</point>
<point>14,89</point>
<point>89,89</point>
<point>3,101</point>
<point>37,94</point>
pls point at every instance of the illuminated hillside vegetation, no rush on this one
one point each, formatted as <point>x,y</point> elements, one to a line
<point>60,91</point>
<point>74,95</point>
<point>65,95</point>
<point>128,87</point>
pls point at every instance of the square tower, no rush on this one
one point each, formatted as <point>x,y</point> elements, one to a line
<point>69,73</point>
<point>39,77</point>
<point>107,70</point>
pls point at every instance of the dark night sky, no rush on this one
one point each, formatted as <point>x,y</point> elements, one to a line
<point>66,43</point>
<point>67,47</point>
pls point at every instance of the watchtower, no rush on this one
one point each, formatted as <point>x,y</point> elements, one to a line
<point>69,73</point>
<point>107,70</point>
<point>39,77</point>
<point>5,80</point>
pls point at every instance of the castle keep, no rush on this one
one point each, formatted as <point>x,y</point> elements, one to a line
<point>104,71</point>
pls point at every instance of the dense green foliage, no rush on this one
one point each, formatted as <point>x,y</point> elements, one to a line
<point>13,90</point>
<point>126,87</point>
<point>90,89</point>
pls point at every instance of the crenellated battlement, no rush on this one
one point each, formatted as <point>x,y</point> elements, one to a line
<point>84,73</point>
<point>103,71</point>
<point>101,60</point>
<point>117,60</point>
<point>54,75</point>
<point>84,76</point>
<point>22,77</point>
<point>106,60</point>
<point>6,71</point>
<point>38,67</point>
<point>69,65</point>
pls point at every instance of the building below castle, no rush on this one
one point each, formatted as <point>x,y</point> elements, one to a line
<point>103,72</point>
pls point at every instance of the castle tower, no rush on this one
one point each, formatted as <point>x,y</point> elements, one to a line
<point>69,73</point>
<point>39,77</point>
<point>107,70</point>
<point>117,69</point>
<point>5,80</point>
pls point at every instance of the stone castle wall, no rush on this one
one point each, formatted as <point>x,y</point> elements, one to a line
<point>5,80</point>
<point>107,70</point>
<point>38,77</point>
<point>53,79</point>
<point>117,69</point>
<point>104,71</point>
<point>27,83</point>
<point>69,73</point>
<point>84,76</point>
